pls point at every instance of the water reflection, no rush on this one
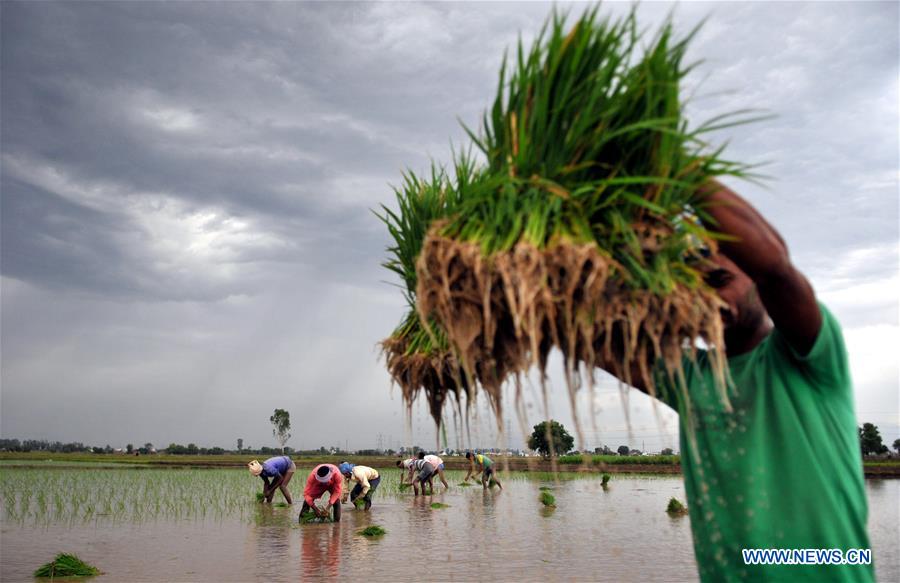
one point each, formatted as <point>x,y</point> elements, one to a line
<point>271,534</point>
<point>594,534</point>
<point>320,549</point>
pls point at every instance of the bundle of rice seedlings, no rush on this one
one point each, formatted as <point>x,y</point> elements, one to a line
<point>419,358</point>
<point>547,499</point>
<point>585,230</point>
<point>309,517</point>
<point>371,531</point>
<point>676,508</point>
<point>604,481</point>
<point>66,565</point>
<point>439,505</point>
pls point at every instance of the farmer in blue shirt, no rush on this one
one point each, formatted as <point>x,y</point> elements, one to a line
<point>276,472</point>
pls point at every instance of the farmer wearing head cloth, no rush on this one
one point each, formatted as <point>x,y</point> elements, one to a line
<point>276,473</point>
<point>366,478</point>
<point>779,467</point>
<point>323,478</point>
<point>408,465</point>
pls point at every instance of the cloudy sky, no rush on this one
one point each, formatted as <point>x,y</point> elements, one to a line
<point>187,240</point>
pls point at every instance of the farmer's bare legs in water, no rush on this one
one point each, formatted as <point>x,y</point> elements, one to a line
<point>440,472</point>
<point>487,476</point>
<point>284,484</point>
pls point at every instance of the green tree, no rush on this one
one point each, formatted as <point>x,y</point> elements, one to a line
<point>897,445</point>
<point>870,440</point>
<point>129,448</point>
<point>240,444</point>
<point>667,451</point>
<point>281,420</point>
<point>623,450</point>
<point>560,438</point>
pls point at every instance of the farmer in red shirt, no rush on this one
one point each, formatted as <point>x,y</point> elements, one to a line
<point>323,478</point>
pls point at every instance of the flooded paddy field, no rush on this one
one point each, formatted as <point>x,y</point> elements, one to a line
<point>204,525</point>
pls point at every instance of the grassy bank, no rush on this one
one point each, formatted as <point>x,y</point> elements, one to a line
<point>621,460</point>
<point>662,464</point>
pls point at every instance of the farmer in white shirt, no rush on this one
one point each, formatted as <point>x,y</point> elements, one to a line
<point>438,464</point>
<point>366,478</point>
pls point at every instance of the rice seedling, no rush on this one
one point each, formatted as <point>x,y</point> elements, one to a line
<point>465,484</point>
<point>547,499</point>
<point>605,480</point>
<point>260,497</point>
<point>359,503</point>
<point>66,565</point>
<point>587,227</point>
<point>418,357</point>
<point>676,508</point>
<point>546,488</point>
<point>371,531</point>
<point>439,505</point>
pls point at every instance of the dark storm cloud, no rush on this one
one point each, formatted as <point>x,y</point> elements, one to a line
<point>186,194</point>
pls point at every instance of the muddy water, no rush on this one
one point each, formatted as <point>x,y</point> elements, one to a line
<point>618,533</point>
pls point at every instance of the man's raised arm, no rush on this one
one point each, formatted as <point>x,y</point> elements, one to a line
<point>760,252</point>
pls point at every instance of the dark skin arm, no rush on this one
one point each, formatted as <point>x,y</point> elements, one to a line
<point>760,252</point>
<point>270,487</point>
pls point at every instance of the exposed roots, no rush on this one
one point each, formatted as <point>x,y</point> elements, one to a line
<point>503,314</point>
<point>438,375</point>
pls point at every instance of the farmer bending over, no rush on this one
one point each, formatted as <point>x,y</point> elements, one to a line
<point>276,473</point>
<point>486,469</point>
<point>438,464</point>
<point>426,471</point>
<point>782,468</point>
<point>366,479</point>
<point>323,478</point>
<point>408,465</point>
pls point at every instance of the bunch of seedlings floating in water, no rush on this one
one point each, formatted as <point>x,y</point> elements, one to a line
<point>676,508</point>
<point>465,484</point>
<point>587,227</point>
<point>604,481</point>
<point>439,505</point>
<point>66,565</point>
<point>547,499</point>
<point>372,531</point>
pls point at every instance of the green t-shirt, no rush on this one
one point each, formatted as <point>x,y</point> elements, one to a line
<point>783,469</point>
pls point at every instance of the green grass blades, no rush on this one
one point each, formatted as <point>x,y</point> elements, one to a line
<point>465,484</point>
<point>585,228</point>
<point>260,497</point>
<point>310,517</point>
<point>676,508</point>
<point>547,499</point>
<point>605,480</point>
<point>372,531</point>
<point>439,505</point>
<point>66,565</point>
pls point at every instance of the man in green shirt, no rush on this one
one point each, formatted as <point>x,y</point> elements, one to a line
<point>780,468</point>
